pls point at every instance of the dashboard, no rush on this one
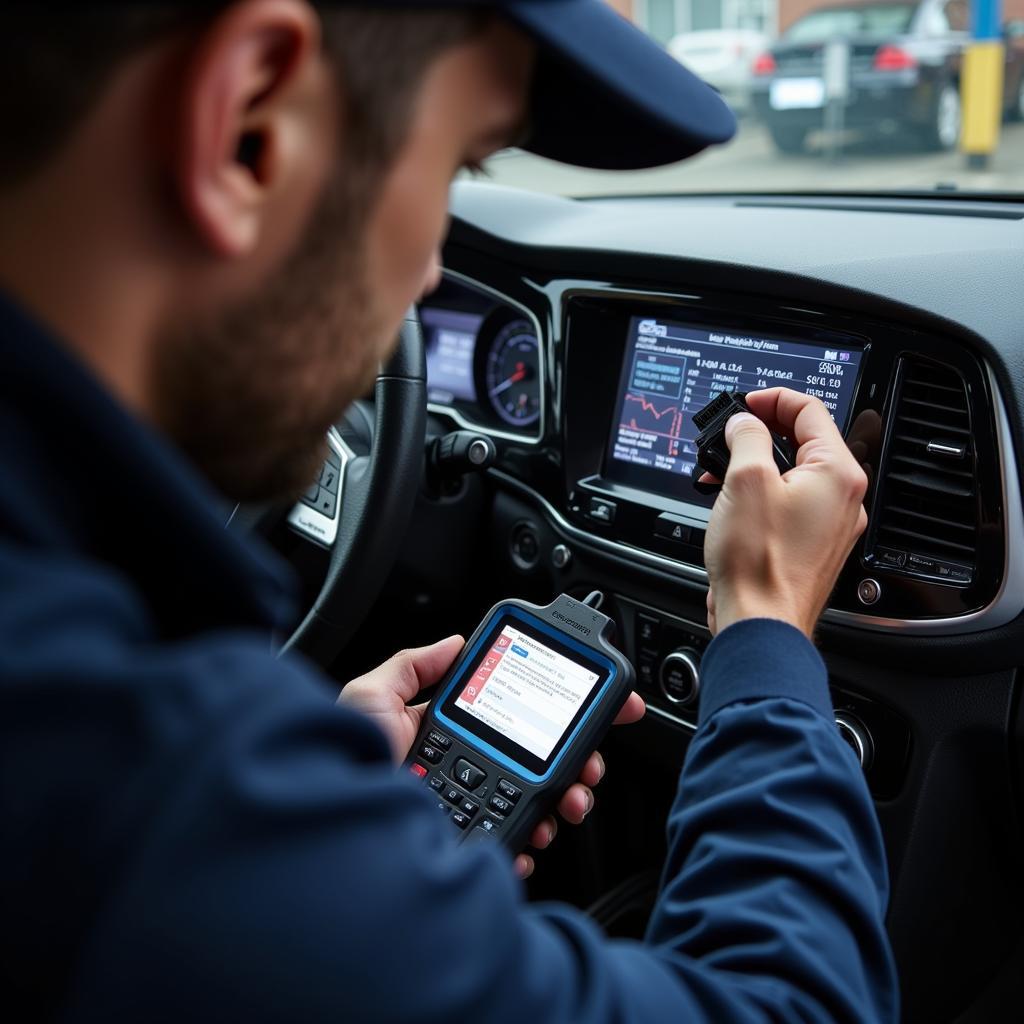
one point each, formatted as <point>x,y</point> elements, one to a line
<point>628,368</point>
<point>581,336</point>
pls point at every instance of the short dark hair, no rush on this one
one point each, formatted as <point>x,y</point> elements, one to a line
<point>56,59</point>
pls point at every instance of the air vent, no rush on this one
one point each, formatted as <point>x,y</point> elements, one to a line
<point>927,515</point>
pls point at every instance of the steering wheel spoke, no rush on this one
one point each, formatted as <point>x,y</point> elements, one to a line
<point>317,514</point>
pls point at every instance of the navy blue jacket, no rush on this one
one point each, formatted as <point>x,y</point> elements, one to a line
<point>193,831</point>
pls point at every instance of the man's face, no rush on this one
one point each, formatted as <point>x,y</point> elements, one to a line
<point>250,393</point>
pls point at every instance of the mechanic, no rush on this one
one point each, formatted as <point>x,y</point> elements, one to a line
<point>212,220</point>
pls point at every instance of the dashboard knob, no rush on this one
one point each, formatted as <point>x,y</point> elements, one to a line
<point>856,736</point>
<point>561,556</point>
<point>680,677</point>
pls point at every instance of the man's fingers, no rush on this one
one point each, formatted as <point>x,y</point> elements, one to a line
<point>524,865</point>
<point>593,770</point>
<point>795,415</point>
<point>421,666</point>
<point>632,711</point>
<point>544,833</point>
<point>576,803</point>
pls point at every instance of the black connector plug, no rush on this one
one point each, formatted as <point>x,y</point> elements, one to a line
<point>713,452</point>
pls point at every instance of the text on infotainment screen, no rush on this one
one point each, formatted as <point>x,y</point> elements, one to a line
<point>673,370</point>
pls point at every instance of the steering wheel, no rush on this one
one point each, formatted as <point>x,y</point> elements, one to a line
<point>372,507</point>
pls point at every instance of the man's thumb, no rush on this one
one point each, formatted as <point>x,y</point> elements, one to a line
<point>749,442</point>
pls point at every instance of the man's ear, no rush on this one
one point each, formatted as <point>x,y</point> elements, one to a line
<point>255,120</point>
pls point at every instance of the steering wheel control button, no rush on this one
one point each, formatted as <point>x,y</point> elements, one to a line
<point>499,805</point>
<point>868,591</point>
<point>490,825</point>
<point>468,807</point>
<point>436,782</point>
<point>312,493</point>
<point>673,528</point>
<point>680,677</point>
<point>460,819</point>
<point>327,503</point>
<point>430,754</point>
<point>468,774</point>
<point>602,510</point>
<point>418,770</point>
<point>508,791</point>
<point>452,795</point>
<point>329,478</point>
<point>444,808</point>
<point>333,459</point>
<point>525,546</point>
<point>561,556</point>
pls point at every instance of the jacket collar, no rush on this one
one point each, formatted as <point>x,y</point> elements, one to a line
<point>80,474</point>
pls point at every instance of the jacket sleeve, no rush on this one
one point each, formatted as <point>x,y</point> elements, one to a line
<point>283,872</point>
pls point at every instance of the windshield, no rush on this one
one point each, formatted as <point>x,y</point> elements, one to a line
<point>829,98</point>
<point>880,19</point>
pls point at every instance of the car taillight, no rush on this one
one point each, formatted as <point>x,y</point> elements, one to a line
<point>892,58</point>
<point>764,65</point>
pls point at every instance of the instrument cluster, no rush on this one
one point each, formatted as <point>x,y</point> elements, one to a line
<point>484,365</point>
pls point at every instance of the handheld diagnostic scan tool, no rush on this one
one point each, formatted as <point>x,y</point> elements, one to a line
<point>531,695</point>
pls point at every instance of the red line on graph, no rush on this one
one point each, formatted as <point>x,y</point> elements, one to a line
<point>650,407</point>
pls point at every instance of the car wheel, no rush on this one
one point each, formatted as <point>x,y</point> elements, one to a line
<point>943,133</point>
<point>788,139</point>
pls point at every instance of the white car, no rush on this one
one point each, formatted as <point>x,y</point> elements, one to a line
<point>723,58</point>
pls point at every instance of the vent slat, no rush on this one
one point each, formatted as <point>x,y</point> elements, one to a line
<point>951,523</point>
<point>925,482</point>
<point>927,504</point>
<point>945,427</point>
<point>948,388</point>
<point>954,409</point>
<point>930,540</point>
<point>911,460</point>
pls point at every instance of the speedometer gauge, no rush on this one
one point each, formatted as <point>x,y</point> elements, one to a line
<point>513,374</point>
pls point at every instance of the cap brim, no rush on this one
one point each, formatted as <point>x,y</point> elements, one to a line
<point>607,96</point>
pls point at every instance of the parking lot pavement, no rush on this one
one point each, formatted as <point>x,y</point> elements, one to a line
<point>750,164</point>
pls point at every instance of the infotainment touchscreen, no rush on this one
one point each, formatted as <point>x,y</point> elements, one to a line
<point>672,370</point>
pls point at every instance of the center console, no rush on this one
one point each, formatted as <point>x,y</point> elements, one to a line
<point>917,410</point>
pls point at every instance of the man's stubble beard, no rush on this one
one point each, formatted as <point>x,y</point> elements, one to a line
<point>249,396</point>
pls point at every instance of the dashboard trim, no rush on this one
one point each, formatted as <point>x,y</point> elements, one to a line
<point>485,428</point>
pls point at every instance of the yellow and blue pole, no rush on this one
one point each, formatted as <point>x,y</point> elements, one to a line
<point>981,85</point>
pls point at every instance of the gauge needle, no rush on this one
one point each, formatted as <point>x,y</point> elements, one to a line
<point>506,384</point>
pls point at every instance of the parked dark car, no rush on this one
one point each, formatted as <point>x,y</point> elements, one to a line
<point>904,72</point>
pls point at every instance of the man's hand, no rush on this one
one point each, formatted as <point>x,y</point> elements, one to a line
<point>384,696</point>
<point>775,544</point>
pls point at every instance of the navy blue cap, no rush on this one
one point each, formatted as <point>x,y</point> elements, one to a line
<point>604,95</point>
